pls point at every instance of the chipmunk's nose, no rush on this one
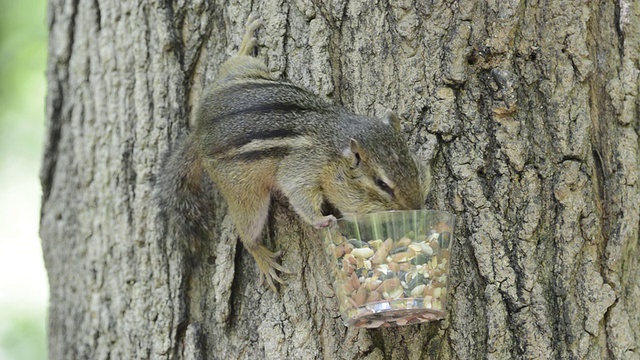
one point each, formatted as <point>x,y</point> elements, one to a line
<point>415,203</point>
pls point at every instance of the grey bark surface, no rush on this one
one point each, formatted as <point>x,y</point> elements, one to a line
<point>528,111</point>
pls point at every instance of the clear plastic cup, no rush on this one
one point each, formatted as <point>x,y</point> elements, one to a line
<point>391,268</point>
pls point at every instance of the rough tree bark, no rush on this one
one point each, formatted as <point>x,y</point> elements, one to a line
<point>527,110</point>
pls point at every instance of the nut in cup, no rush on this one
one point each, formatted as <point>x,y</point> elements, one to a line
<point>391,268</point>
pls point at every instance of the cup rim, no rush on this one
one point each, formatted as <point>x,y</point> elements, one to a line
<point>359,216</point>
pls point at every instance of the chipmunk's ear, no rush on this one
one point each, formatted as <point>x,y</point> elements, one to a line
<point>355,152</point>
<point>390,117</point>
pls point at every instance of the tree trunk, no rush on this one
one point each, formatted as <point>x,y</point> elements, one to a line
<point>528,112</point>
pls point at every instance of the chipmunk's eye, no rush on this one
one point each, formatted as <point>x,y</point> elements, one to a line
<point>384,186</point>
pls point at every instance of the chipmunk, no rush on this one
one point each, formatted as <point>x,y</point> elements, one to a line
<point>255,135</point>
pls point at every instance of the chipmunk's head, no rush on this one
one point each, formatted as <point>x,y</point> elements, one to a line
<point>379,172</point>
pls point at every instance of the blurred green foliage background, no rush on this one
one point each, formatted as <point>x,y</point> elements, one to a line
<point>23,283</point>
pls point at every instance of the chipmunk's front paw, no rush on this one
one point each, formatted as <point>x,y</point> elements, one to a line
<point>325,221</point>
